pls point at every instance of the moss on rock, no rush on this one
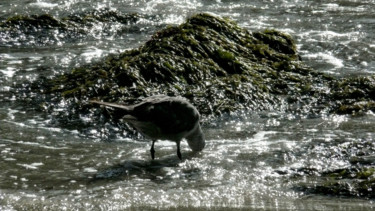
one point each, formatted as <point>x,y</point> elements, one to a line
<point>206,54</point>
<point>38,21</point>
<point>219,66</point>
<point>357,182</point>
<point>46,29</point>
<point>353,95</point>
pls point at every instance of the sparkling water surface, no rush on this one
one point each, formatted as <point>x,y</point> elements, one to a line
<point>252,160</point>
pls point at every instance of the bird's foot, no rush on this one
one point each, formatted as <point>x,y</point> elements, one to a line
<point>152,153</point>
<point>179,154</point>
<point>179,151</point>
<point>152,150</point>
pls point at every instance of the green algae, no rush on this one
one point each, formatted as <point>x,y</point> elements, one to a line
<point>42,29</point>
<point>349,182</point>
<point>219,66</point>
<point>103,15</point>
<point>40,21</point>
<point>354,180</point>
<point>353,95</point>
<point>73,21</point>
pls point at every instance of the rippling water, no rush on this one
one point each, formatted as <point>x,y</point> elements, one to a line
<point>252,160</point>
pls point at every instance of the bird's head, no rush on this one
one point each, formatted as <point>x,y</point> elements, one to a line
<point>196,139</point>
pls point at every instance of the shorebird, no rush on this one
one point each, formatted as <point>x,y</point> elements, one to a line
<point>162,117</point>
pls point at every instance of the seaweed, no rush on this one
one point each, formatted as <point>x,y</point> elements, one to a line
<point>218,65</point>
<point>349,182</point>
<point>43,29</point>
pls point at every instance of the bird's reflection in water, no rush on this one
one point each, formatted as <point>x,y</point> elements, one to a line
<point>155,170</point>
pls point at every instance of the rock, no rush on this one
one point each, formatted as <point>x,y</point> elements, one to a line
<point>349,182</point>
<point>45,29</point>
<point>219,66</point>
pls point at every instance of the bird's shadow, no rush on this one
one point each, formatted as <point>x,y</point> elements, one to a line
<point>144,169</point>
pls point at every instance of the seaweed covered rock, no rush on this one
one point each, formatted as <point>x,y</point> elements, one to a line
<point>212,61</point>
<point>46,29</point>
<point>218,65</point>
<point>33,22</point>
<point>356,181</point>
<point>353,95</point>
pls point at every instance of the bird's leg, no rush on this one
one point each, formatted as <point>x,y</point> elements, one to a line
<point>178,150</point>
<point>152,150</point>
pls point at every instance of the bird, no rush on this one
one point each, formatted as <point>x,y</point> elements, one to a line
<point>162,117</point>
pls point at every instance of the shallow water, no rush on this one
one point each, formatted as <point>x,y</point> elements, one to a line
<point>248,163</point>
<point>252,160</point>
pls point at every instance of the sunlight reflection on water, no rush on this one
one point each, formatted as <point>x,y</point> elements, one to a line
<point>252,161</point>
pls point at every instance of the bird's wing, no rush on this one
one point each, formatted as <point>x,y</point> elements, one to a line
<point>171,116</point>
<point>118,110</point>
<point>113,105</point>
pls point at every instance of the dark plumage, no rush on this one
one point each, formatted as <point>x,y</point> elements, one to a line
<point>161,117</point>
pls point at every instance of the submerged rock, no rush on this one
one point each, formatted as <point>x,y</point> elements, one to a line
<point>33,21</point>
<point>45,29</point>
<point>355,181</point>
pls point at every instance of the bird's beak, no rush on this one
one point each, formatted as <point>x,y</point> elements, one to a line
<point>196,139</point>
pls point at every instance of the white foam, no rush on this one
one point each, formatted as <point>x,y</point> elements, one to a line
<point>32,166</point>
<point>92,53</point>
<point>42,4</point>
<point>174,19</point>
<point>261,135</point>
<point>90,170</point>
<point>9,72</point>
<point>327,58</point>
<point>327,35</point>
<point>331,5</point>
